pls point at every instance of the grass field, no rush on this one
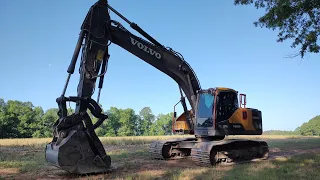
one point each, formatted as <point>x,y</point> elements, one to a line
<point>291,157</point>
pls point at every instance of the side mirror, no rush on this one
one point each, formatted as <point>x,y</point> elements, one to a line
<point>243,100</point>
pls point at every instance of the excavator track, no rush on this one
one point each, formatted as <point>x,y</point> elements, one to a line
<point>228,152</point>
<point>164,149</point>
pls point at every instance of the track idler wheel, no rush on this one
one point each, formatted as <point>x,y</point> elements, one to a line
<point>213,157</point>
<point>166,151</point>
<point>264,150</point>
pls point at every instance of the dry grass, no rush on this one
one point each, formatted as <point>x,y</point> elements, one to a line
<point>105,140</point>
<point>130,139</point>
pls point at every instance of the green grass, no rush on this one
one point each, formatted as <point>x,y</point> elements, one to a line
<point>123,155</point>
<point>25,159</point>
<point>298,167</point>
<point>131,160</point>
<point>301,143</point>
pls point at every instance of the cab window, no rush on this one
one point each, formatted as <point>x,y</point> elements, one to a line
<point>205,109</point>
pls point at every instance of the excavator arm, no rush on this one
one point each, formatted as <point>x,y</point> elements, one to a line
<point>75,146</point>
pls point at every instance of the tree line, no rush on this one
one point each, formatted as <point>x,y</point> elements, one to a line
<point>310,128</point>
<point>281,132</point>
<point>23,120</point>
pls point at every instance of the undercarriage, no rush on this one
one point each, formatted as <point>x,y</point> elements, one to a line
<point>210,153</point>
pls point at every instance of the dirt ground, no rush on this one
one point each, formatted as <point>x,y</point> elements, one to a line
<point>132,162</point>
<point>276,153</point>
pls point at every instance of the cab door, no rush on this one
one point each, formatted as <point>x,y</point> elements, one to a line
<point>204,118</point>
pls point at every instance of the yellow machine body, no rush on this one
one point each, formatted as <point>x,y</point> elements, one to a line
<point>242,121</point>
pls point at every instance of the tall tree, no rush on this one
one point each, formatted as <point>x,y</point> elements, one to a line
<point>112,124</point>
<point>145,121</point>
<point>163,125</point>
<point>37,123</point>
<point>48,119</point>
<point>298,20</point>
<point>128,120</point>
<point>8,122</point>
<point>22,114</point>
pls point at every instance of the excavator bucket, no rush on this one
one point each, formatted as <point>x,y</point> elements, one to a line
<point>76,148</point>
<point>75,155</point>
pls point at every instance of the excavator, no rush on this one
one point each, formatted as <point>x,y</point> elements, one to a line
<point>215,112</point>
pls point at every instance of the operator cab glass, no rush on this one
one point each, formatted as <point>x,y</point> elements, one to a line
<point>205,110</point>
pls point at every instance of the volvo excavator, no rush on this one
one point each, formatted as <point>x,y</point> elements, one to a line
<point>215,112</point>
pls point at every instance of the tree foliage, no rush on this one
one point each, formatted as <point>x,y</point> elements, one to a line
<point>311,128</point>
<point>163,125</point>
<point>23,120</point>
<point>298,20</point>
<point>145,121</point>
<point>18,119</point>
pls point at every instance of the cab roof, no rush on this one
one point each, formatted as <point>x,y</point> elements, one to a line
<point>226,89</point>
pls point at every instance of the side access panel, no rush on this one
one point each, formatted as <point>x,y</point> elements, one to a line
<point>244,121</point>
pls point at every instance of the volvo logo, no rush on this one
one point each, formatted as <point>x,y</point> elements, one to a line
<point>145,48</point>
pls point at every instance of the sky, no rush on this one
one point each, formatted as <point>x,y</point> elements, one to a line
<point>217,38</point>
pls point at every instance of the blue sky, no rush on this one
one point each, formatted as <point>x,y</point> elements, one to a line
<point>218,40</point>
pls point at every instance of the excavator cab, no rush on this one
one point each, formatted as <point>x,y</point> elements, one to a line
<point>218,113</point>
